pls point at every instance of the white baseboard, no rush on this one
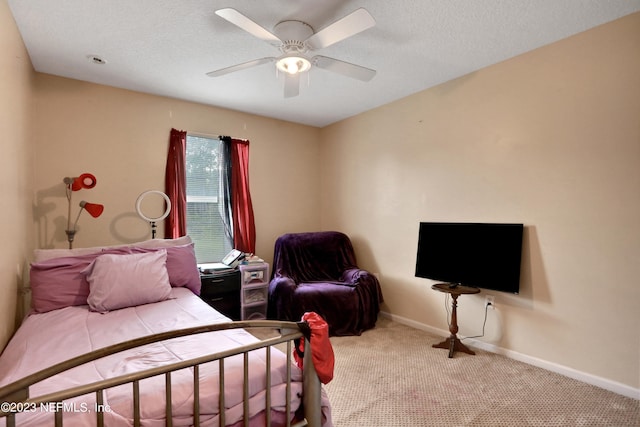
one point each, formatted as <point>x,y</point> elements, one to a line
<point>604,383</point>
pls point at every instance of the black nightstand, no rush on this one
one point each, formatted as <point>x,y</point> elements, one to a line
<point>222,292</point>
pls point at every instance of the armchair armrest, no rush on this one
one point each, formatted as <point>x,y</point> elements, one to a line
<point>364,280</point>
<point>356,276</point>
<point>282,283</point>
<point>281,291</point>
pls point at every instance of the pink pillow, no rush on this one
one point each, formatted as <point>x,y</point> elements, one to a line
<point>59,282</point>
<point>181,265</point>
<point>119,281</point>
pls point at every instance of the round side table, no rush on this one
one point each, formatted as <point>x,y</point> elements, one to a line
<point>453,343</point>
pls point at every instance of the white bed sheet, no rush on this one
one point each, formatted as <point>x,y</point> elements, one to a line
<point>48,338</point>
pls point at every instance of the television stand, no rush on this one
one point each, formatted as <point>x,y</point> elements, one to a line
<point>453,343</point>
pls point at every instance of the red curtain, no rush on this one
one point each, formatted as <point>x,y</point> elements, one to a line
<point>244,227</point>
<point>176,185</point>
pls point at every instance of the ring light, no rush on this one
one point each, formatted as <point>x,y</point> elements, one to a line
<point>145,194</point>
<point>153,220</point>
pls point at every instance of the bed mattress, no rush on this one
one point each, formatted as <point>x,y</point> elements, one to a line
<point>48,338</point>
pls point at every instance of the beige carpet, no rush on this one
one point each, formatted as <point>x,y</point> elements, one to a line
<point>391,376</point>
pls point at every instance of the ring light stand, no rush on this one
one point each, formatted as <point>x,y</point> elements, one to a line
<point>152,221</point>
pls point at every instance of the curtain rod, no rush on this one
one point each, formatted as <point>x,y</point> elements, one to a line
<point>203,135</point>
<point>206,135</point>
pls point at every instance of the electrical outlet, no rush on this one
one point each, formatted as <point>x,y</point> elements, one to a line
<point>489,301</point>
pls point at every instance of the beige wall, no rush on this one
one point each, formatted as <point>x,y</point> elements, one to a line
<point>16,169</point>
<point>122,137</point>
<point>551,139</point>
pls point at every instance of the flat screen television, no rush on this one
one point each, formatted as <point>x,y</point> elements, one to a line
<point>481,255</point>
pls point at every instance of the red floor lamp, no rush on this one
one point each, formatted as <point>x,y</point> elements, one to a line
<point>88,181</point>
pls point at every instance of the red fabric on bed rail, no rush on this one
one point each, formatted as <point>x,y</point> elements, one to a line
<point>321,349</point>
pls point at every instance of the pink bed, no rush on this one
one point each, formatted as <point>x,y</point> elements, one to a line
<point>53,336</point>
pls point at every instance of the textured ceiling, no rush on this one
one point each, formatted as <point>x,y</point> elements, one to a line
<point>165,47</point>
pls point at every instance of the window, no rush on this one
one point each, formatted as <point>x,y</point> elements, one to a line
<point>205,178</point>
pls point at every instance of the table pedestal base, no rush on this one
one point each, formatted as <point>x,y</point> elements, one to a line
<point>453,344</point>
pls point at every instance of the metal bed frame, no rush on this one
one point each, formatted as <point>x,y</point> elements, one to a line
<point>15,396</point>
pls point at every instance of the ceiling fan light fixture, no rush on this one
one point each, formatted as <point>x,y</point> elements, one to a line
<point>293,64</point>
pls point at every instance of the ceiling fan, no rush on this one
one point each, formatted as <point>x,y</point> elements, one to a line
<point>296,40</point>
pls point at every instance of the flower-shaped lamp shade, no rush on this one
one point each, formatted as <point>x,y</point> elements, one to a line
<point>86,180</point>
<point>94,209</point>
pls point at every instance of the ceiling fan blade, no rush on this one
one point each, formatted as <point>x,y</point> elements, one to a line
<point>345,68</point>
<point>248,25</point>
<point>348,26</point>
<point>291,85</point>
<point>238,67</point>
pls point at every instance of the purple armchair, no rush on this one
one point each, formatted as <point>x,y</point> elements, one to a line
<point>318,272</point>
